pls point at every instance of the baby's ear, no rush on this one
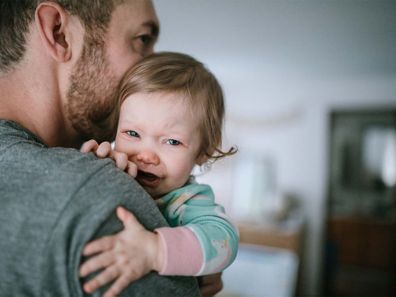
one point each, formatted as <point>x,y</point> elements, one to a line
<point>201,159</point>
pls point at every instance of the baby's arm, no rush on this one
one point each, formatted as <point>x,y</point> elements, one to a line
<point>205,245</point>
<point>203,240</point>
<point>104,150</point>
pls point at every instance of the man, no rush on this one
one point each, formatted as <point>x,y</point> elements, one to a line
<point>60,63</point>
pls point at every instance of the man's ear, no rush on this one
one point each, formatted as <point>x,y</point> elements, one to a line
<point>51,20</point>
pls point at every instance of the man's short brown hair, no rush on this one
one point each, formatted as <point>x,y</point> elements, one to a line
<point>16,16</point>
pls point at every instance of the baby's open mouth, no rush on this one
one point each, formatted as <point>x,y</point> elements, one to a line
<point>147,179</point>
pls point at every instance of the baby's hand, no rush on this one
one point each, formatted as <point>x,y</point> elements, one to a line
<point>104,150</point>
<point>210,285</point>
<point>124,257</point>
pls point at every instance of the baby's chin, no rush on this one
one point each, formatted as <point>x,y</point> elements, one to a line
<point>155,193</point>
<point>162,190</point>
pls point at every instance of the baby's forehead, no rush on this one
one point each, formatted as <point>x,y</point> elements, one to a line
<point>170,108</point>
<point>191,103</point>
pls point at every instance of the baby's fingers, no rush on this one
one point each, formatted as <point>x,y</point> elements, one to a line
<point>132,169</point>
<point>99,245</point>
<point>95,263</point>
<point>89,146</point>
<point>127,218</point>
<point>120,284</point>
<point>121,160</point>
<point>104,150</point>
<point>101,279</point>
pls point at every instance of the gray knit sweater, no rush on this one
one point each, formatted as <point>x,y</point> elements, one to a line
<point>52,202</point>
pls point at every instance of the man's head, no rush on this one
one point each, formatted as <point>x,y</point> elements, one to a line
<point>88,62</point>
<point>17,15</point>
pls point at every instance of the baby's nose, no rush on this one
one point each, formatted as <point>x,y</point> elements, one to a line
<point>148,157</point>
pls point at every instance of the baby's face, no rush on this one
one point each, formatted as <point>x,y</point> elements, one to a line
<point>159,134</point>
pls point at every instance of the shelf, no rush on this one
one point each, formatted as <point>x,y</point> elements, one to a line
<point>271,236</point>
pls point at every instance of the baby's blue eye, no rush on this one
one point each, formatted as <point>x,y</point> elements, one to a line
<point>173,142</point>
<point>132,133</point>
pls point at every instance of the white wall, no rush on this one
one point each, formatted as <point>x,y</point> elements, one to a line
<point>284,65</point>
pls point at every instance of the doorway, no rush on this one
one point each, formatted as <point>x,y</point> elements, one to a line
<point>360,241</point>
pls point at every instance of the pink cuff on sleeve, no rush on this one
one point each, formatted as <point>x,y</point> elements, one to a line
<point>183,254</point>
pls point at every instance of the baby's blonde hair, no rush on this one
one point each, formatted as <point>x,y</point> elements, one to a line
<point>180,73</point>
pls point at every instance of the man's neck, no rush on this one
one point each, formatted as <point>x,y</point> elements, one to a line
<point>28,101</point>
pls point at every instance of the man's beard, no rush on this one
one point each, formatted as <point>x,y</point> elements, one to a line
<point>92,106</point>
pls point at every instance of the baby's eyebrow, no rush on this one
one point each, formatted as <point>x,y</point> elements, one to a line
<point>125,122</point>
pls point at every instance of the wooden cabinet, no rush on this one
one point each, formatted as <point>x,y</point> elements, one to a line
<point>364,256</point>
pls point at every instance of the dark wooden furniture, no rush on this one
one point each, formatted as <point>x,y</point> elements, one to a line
<point>364,256</point>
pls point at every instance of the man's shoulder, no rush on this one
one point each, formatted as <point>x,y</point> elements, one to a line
<point>28,168</point>
<point>21,150</point>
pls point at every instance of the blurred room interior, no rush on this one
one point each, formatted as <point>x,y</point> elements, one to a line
<point>310,89</point>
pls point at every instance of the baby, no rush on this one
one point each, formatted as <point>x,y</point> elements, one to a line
<point>171,119</point>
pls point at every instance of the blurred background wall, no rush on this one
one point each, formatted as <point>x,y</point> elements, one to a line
<point>284,66</point>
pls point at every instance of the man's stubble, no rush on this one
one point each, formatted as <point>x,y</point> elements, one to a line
<point>92,106</point>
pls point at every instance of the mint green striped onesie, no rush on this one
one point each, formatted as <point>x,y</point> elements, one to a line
<point>193,207</point>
